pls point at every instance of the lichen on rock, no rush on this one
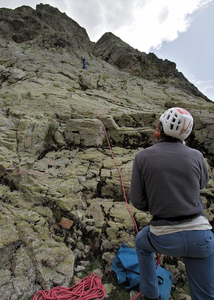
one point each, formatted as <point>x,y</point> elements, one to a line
<point>55,160</point>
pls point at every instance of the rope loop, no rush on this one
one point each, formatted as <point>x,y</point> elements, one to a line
<point>88,288</point>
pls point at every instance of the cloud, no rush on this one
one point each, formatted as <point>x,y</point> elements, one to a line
<point>163,15</point>
<point>159,21</point>
<point>141,23</point>
<point>98,17</point>
<point>205,85</point>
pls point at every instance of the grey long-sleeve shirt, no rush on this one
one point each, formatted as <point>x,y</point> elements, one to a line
<point>167,178</point>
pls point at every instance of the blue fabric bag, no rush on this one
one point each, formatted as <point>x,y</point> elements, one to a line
<point>126,267</point>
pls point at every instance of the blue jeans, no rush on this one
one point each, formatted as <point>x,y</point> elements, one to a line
<point>197,249</point>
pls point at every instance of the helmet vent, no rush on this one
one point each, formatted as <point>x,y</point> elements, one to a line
<point>177,122</point>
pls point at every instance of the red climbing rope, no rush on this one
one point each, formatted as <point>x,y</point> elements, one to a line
<point>98,116</point>
<point>121,178</point>
<point>88,288</point>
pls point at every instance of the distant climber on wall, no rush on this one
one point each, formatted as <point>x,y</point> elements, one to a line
<point>84,62</point>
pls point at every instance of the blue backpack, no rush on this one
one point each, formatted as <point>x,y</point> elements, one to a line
<point>126,267</point>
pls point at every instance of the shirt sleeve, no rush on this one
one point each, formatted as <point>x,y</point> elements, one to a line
<point>204,174</point>
<point>137,193</point>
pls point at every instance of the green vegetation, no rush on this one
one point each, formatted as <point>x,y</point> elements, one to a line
<point>104,140</point>
<point>70,89</point>
<point>50,133</point>
<point>28,95</point>
<point>56,85</point>
<point>105,77</point>
<point>162,81</point>
<point>118,292</point>
<point>180,289</point>
<point>171,103</point>
<point>24,48</point>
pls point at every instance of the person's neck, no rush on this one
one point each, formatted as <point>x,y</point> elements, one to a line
<point>168,138</point>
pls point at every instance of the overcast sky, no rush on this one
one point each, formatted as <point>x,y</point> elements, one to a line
<point>178,30</point>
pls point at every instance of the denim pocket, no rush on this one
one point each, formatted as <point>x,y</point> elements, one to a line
<point>204,247</point>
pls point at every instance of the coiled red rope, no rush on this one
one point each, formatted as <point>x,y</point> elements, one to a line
<point>88,288</point>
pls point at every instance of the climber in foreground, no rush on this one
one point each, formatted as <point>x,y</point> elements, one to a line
<point>166,181</point>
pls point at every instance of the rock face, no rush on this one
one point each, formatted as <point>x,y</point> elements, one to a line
<point>113,50</point>
<point>46,26</point>
<point>55,162</point>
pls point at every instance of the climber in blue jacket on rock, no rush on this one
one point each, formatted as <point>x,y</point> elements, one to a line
<point>84,62</point>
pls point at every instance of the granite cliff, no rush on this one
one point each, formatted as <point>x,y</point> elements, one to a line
<point>61,200</point>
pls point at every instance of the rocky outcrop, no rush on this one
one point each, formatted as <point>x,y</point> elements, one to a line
<point>113,50</point>
<point>46,26</point>
<point>62,201</point>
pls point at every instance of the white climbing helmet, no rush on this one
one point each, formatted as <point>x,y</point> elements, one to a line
<point>177,122</point>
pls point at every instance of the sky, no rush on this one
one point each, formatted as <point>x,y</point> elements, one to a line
<point>181,31</point>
